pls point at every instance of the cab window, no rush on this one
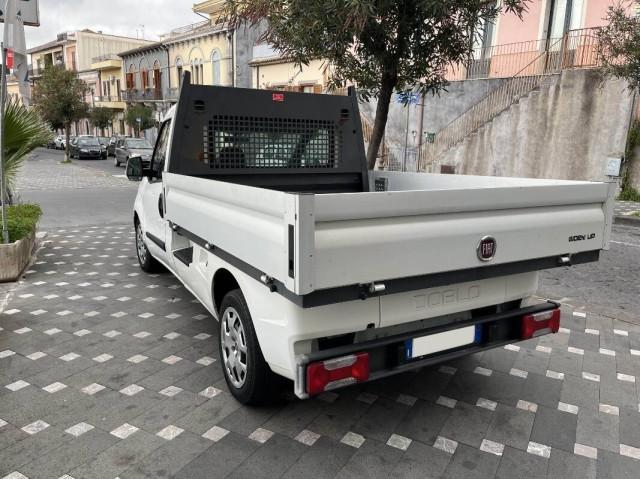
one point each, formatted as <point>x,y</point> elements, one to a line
<point>161,150</point>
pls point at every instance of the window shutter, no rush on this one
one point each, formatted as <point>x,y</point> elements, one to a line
<point>317,88</point>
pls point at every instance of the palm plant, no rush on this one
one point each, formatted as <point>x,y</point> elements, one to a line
<point>24,131</point>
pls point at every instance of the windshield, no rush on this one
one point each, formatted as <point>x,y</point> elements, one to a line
<point>139,144</point>
<point>88,142</point>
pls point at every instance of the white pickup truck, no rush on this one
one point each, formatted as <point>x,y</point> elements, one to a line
<point>328,274</point>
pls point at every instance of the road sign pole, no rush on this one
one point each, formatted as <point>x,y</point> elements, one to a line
<point>3,184</point>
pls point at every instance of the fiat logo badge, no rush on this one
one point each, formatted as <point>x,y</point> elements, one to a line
<point>486,248</point>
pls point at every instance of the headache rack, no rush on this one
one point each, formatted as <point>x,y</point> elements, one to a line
<point>286,141</point>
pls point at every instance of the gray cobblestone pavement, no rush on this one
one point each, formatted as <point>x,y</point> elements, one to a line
<point>50,174</point>
<point>107,372</point>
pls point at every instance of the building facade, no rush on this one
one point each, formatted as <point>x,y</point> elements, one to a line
<point>92,55</point>
<point>210,51</point>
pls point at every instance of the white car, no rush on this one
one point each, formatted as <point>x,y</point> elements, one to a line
<point>329,275</point>
<point>60,142</point>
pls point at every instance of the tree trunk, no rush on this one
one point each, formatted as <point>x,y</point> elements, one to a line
<point>380,122</point>
<point>67,146</point>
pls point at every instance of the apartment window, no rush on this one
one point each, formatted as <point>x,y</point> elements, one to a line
<point>179,71</point>
<point>130,79</point>
<point>145,78</point>
<point>215,67</point>
<point>564,15</point>
<point>118,90</point>
<point>157,84</point>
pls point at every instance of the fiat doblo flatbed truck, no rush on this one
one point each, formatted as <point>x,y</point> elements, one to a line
<point>325,273</point>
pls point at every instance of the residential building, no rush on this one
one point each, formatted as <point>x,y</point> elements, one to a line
<point>213,53</point>
<point>273,71</point>
<point>85,52</point>
<point>108,90</point>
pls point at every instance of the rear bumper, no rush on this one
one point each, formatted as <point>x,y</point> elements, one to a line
<point>387,355</point>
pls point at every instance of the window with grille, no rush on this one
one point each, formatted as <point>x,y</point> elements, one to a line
<point>251,142</point>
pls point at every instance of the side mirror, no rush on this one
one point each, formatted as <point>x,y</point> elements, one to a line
<point>135,170</point>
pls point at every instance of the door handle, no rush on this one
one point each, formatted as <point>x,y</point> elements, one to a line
<point>161,205</point>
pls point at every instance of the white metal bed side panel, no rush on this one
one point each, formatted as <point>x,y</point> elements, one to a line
<point>361,251</point>
<point>334,207</point>
<point>247,222</point>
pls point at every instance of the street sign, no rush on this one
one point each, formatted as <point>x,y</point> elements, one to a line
<point>407,98</point>
<point>28,9</point>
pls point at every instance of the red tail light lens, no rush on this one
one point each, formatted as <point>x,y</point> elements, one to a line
<point>540,323</point>
<point>337,372</point>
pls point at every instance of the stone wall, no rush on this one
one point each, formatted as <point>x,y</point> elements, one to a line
<point>566,130</point>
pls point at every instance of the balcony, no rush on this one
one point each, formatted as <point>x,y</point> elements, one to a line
<point>102,62</point>
<point>113,102</point>
<point>150,95</point>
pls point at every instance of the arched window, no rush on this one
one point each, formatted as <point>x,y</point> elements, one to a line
<point>157,76</point>
<point>131,79</point>
<point>179,71</point>
<point>215,67</point>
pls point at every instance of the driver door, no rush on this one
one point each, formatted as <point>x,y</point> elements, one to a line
<point>154,224</point>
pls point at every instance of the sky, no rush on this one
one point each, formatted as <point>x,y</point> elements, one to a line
<point>117,17</point>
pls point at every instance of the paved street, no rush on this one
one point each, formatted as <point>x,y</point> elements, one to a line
<point>108,372</point>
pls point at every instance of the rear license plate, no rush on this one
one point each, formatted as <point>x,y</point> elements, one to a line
<point>435,343</point>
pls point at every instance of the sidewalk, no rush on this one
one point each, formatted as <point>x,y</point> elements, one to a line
<point>624,213</point>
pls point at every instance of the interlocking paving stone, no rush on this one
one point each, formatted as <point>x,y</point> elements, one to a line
<point>554,428</point>
<point>169,458</point>
<point>222,457</point>
<point>467,424</point>
<point>565,465</point>
<point>599,430</point>
<point>119,457</point>
<point>374,459</point>
<point>511,426</point>
<point>272,459</point>
<point>610,464</point>
<point>518,463</point>
<point>323,460</point>
<point>471,463</point>
<point>424,422</point>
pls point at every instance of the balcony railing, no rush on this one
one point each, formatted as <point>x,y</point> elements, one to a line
<point>112,98</point>
<point>576,49</point>
<point>150,94</point>
<point>104,58</point>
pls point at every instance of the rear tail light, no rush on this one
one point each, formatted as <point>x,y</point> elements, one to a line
<point>540,323</point>
<point>337,372</point>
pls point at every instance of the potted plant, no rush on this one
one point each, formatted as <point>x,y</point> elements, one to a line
<point>24,132</point>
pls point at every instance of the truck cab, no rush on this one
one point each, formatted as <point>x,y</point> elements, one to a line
<point>327,274</point>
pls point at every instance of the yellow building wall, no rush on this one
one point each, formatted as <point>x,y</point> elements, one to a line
<point>199,52</point>
<point>279,75</point>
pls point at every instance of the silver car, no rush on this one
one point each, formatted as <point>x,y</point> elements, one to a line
<point>128,147</point>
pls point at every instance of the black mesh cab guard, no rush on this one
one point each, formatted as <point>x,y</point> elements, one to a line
<point>287,141</point>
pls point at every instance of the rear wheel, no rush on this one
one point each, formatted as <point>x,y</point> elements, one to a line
<point>247,374</point>
<point>115,161</point>
<point>148,263</point>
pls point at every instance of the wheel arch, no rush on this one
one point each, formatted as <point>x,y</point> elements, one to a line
<point>223,282</point>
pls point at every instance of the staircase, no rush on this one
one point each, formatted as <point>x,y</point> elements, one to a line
<point>527,80</point>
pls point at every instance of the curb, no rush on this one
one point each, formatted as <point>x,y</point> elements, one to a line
<point>627,220</point>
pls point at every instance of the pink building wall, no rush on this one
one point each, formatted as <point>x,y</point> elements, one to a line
<point>510,29</point>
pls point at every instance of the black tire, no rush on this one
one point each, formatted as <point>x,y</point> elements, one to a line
<point>260,384</point>
<point>148,263</point>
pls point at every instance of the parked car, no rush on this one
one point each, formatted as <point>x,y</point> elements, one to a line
<point>111,147</point>
<point>86,147</point>
<point>128,147</point>
<point>60,142</point>
<point>51,144</point>
<point>104,141</point>
<point>331,275</point>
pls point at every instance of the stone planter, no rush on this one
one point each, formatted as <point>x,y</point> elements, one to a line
<point>14,258</point>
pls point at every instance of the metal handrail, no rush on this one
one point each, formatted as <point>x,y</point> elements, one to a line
<point>574,50</point>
